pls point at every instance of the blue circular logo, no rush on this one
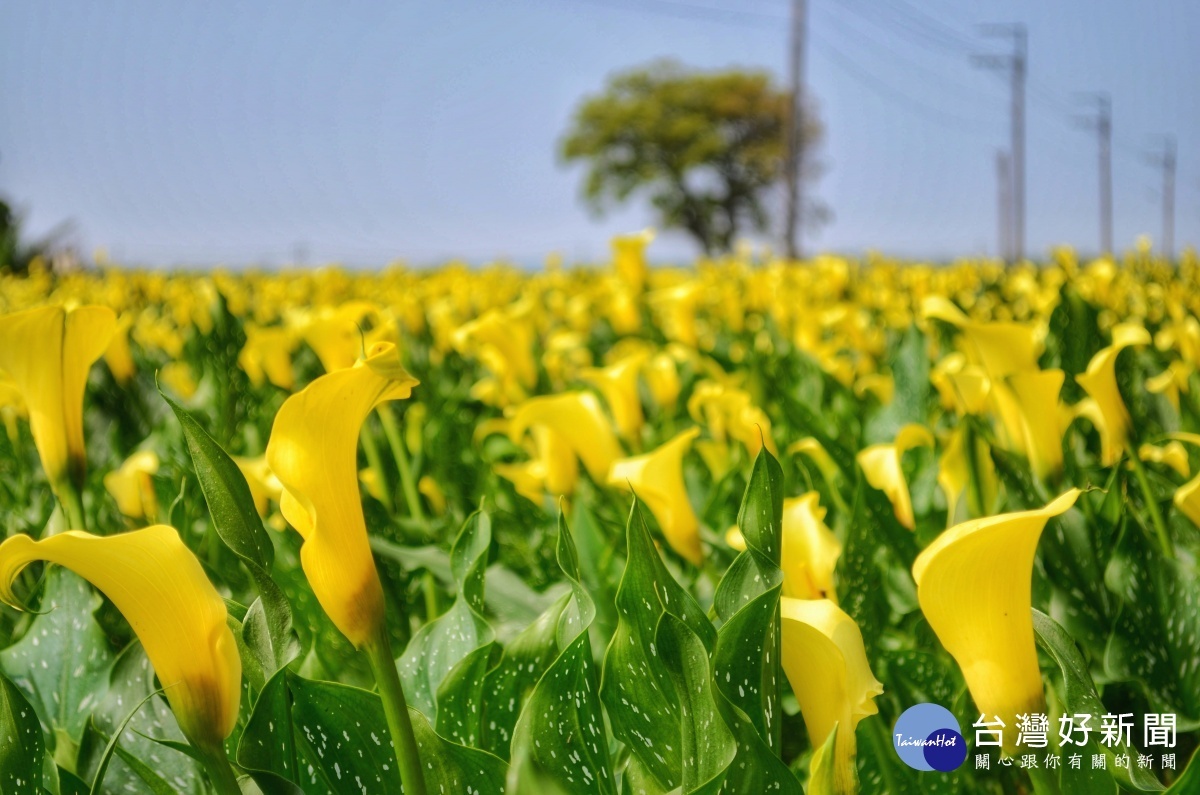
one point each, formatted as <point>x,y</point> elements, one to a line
<point>927,737</point>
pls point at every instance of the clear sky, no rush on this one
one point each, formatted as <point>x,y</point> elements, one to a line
<point>175,133</point>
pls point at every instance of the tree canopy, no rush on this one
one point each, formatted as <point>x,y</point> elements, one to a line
<point>704,147</point>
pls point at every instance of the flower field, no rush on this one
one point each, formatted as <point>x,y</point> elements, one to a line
<point>617,529</point>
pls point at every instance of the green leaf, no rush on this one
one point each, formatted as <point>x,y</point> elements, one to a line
<point>1079,697</point>
<point>268,631</point>
<point>862,593</point>
<point>130,681</point>
<point>909,360</point>
<point>1189,782</point>
<point>561,726</point>
<point>145,773</point>
<point>1154,638</point>
<point>62,662</point>
<point>22,747</point>
<point>445,663</point>
<point>637,687</point>
<point>707,748</point>
<point>331,738</point>
<point>110,747</point>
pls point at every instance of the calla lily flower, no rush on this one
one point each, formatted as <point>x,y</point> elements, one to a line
<point>117,355</point>
<point>1172,454</point>
<point>264,486</point>
<point>431,491</point>
<point>619,384</point>
<point>313,451</point>
<point>552,471</point>
<point>12,406</point>
<point>728,414</point>
<point>662,378</point>
<point>962,387</point>
<point>1001,348</point>
<point>576,417</point>
<point>954,475</point>
<point>825,661</point>
<point>267,356</point>
<point>815,452</point>
<point>504,344</point>
<point>657,479</point>
<point>1031,405</point>
<point>179,378</point>
<point>47,353</point>
<point>629,257</point>
<point>161,589</point>
<point>1104,406</point>
<point>132,485</point>
<point>974,586</point>
<point>810,549</point>
<point>336,334</point>
<point>1187,496</point>
<point>881,464</point>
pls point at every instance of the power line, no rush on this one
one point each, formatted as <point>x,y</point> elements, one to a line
<point>1015,65</point>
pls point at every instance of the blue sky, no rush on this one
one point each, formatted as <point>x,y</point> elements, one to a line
<point>189,133</point>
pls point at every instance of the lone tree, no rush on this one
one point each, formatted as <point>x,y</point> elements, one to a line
<point>705,147</point>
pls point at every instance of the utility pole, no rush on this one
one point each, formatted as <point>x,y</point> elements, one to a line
<point>794,130</point>
<point>1101,122</point>
<point>1166,161</point>
<point>1016,66</point>
<point>1004,205</point>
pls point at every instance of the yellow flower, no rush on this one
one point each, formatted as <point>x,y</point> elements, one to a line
<point>1172,454</point>
<point>132,486</point>
<point>117,355</point>
<point>728,414</point>
<point>264,486</point>
<point>881,464</point>
<point>267,356</point>
<point>1172,381</point>
<point>629,257</point>
<point>504,344</point>
<point>619,384</point>
<point>810,549</point>
<point>962,387</point>
<point>576,417</point>
<point>973,584</point>
<point>313,452</point>
<point>47,353</point>
<point>432,492</point>
<point>825,661</point>
<point>338,335</point>
<point>178,376</point>
<point>1187,496</point>
<point>1030,401</point>
<point>552,471</point>
<point>1104,406</point>
<point>12,406</point>
<point>662,377</point>
<point>657,479</point>
<point>1001,348</point>
<point>161,589</point>
<point>954,474</point>
<point>882,386</point>
<point>815,452</point>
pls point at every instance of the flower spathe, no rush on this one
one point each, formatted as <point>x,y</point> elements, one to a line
<point>132,485</point>
<point>1104,406</point>
<point>47,353</point>
<point>810,550</point>
<point>657,479</point>
<point>160,587</point>
<point>881,464</point>
<point>974,586</point>
<point>313,452</point>
<point>577,419</point>
<point>825,660</point>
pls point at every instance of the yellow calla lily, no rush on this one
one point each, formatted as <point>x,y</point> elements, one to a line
<point>1172,381</point>
<point>962,387</point>
<point>47,353</point>
<point>552,471</point>
<point>1002,348</point>
<point>313,451</point>
<point>504,344</point>
<point>810,549</point>
<point>881,464</point>
<point>178,376</point>
<point>954,475</point>
<point>117,355</point>
<point>882,386</point>
<point>161,589</point>
<point>825,661</point>
<point>1187,496</point>
<point>576,417</point>
<point>974,586</point>
<point>1105,408</point>
<point>12,407</point>
<point>657,479</point>
<point>264,486</point>
<point>662,378</point>
<point>336,334</point>
<point>132,485</point>
<point>619,384</point>
<point>816,452</point>
<point>267,356</point>
<point>1172,454</point>
<point>629,257</point>
<point>1031,399</point>
<point>432,492</point>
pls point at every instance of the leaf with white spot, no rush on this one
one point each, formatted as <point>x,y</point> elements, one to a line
<point>22,747</point>
<point>62,662</point>
<point>560,732</point>
<point>444,665</point>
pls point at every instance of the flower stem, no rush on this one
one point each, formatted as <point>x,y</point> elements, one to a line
<point>395,708</point>
<point>376,464</point>
<point>1160,527</point>
<point>392,431</point>
<point>220,772</point>
<point>72,505</point>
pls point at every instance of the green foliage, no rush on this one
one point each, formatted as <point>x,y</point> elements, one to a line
<point>22,749</point>
<point>704,147</point>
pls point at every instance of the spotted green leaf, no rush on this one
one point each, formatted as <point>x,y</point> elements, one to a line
<point>22,747</point>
